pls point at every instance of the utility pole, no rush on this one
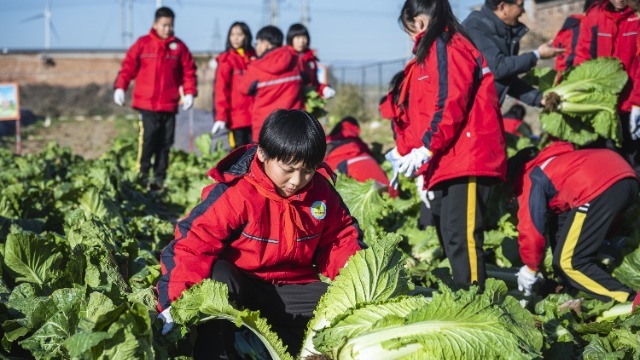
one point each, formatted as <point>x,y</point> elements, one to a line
<point>304,18</point>
<point>217,37</point>
<point>130,22</point>
<point>123,23</point>
<point>275,13</point>
<point>47,25</point>
<point>158,4</point>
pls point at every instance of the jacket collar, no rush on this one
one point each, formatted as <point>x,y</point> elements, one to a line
<point>613,14</point>
<point>154,35</point>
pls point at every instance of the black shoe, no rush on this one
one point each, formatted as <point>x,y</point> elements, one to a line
<point>155,186</point>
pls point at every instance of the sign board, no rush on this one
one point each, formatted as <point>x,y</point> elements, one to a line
<point>10,108</point>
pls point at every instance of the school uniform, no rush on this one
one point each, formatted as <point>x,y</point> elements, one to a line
<point>567,38</point>
<point>583,190</point>
<point>309,64</point>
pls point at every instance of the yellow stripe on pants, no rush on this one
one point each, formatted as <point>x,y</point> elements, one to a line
<point>232,140</point>
<point>566,257</point>
<point>471,224</point>
<point>140,144</point>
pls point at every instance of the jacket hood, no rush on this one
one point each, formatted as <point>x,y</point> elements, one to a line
<point>345,129</point>
<point>555,149</point>
<point>154,36</point>
<point>307,55</point>
<point>277,60</point>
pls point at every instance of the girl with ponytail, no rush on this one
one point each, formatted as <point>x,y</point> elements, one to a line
<point>454,137</point>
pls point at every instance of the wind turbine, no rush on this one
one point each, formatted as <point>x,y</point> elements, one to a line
<point>48,24</point>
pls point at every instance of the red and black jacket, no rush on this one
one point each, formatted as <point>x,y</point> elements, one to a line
<point>309,65</point>
<point>275,81</point>
<point>453,111</point>
<point>567,38</point>
<point>230,104</point>
<point>605,32</point>
<point>560,179</point>
<point>243,220</point>
<point>159,67</point>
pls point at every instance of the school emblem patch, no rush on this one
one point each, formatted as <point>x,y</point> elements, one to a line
<point>319,210</point>
<point>173,46</point>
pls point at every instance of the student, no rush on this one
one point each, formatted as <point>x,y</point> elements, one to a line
<point>231,106</point>
<point>160,63</point>
<point>267,228</point>
<point>454,132</point>
<point>514,124</point>
<point>585,190</point>
<point>610,29</point>
<point>349,155</point>
<point>298,40</point>
<point>273,79</point>
<point>567,38</point>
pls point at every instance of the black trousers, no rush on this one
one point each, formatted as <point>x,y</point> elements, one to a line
<point>239,137</point>
<point>458,211</point>
<point>157,131</point>
<point>630,148</point>
<point>581,232</point>
<point>287,308</point>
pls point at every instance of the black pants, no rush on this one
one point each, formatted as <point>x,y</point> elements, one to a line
<point>458,210</point>
<point>630,148</point>
<point>581,232</point>
<point>157,131</point>
<point>239,137</point>
<point>287,308</point>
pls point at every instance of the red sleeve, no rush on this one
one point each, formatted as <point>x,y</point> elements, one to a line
<point>200,236</point>
<point>189,79</point>
<point>222,90</point>
<point>340,240</point>
<point>130,66</point>
<point>585,39</point>
<point>247,80</point>
<point>457,79</point>
<point>532,205</point>
<point>634,98</point>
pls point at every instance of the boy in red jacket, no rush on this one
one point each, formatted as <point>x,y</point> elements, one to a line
<point>585,189</point>
<point>267,228</point>
<point>274,79</point>
<point>160,63</point>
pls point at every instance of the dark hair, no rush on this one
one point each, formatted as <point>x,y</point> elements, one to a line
<point>248,38</point>
<point>493,4</point>
<point>517,111</point>
<point>293,136</point>
<point>164,12</point>
<point>338,128</point>
<point>297,30</point>
<point>442,23</point>
<point>516,163</point>
<point>270,34</point>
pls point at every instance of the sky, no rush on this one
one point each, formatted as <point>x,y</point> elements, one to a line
<point>343,32</point>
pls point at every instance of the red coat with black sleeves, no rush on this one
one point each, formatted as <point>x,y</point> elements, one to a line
<point>567,38</point>
<point>275,81</point>
<point>309,65</point>
<point>560,179</point>
<point>454,112</point>
<point>606,32</point>
<point>230,104</point>
<point>159,67</point>
<point>243,220</point>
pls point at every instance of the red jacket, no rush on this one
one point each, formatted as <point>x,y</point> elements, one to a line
<point>242,219</point>
<point>560,179</point>
<point>604,32</point>
<point>348,154</point>
<point>309,65</point>
<point>454,112</point>
<point>230,104</point>
<point>275,82</point>
<point>392,109</point>
<point>634,97</point>
<point>511,125</point>
<point>567,38</point>
<point>159,68</point>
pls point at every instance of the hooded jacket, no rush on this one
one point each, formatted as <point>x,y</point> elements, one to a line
<point>230,104</point>
<point>243,220</point>
<point>159,67</point>
<point>500,45</point>
<point>453,111</point>
<point>605,32</point>
<point>275,81</point>
<point>558,180</point>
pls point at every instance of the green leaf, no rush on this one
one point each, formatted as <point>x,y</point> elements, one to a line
<point>32,259</point>
<point>629,270</point>
<point>364,202</point>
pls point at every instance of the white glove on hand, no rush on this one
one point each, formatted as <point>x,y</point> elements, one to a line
<point>118,97</point>
<point>414,160</point>
<point>166,318</point>
<point>328,92</point>
<point>187,102</point>
<point>634,123</point>
<point>526,279</point>
<point>218,125</point>
<point>393,156</point>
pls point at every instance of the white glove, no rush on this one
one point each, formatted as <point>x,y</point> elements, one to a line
<point>328,92</point>
<point>166,318</point>
<point>118,97</point>
<point>422,192</point>
<point>393,156</point>
<point>414,160</point>
<point>526,279</point>
<point>187,102</point>
<point>634,123</point>
<point>218,125</point>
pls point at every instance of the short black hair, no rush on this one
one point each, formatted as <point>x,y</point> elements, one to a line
<point>270,34</point>
<point>517,162</point>
<point>493,4</point>
<point>338,128</point>
<point>293,136</point>
<point>517,111</point>
<point>164,12</point>
<point>298,30</point>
